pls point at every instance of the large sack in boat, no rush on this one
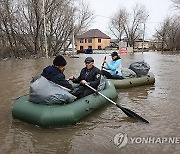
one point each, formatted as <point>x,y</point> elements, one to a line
<point>43,91</point>
<point>102,84</point>
<point>128,73</point>
<point>140,68</point>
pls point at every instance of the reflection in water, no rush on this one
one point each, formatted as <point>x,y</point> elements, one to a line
<point>23,138</point>
<point>159,104</point>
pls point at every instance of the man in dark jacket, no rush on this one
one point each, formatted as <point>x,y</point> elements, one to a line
<point>55,73</point>
<point>89,75</point>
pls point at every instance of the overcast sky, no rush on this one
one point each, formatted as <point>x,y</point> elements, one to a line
<point>157,10</point>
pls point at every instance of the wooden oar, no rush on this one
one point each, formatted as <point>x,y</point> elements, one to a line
<point>67,89</point>
<point>128,112</point>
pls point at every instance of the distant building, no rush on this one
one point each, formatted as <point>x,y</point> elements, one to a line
<point>139,44</point>
<point>92,39</point>
<point>115,43</point>
<point>156,44</point>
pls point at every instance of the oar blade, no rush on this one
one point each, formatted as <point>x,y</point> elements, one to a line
<point>128,112</point>
<point>131,114</point>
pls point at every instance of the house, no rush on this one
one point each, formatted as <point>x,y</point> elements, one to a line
<point>140,43</point>
<point>92,39</point>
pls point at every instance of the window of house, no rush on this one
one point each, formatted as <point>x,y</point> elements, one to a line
<point>81,47</point>
<point>89,40</point>
<point>81,40</point>
<point>85,40</point>
<point>99,40</point>
<point>99,47</point>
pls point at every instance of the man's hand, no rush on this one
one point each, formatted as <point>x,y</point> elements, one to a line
<point>71,78</point>
<point>83,82</point>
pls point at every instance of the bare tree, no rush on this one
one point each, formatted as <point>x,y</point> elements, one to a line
<point>133,27</point>
<point>6,26</point>
<point>176,4</point>
<point>129,24</point>
<point>81,18</point>
<point>59,25</point>
<point>23,25</point>
<point>117,23</point>
<point>169,33</point>
<point>173,33</point>
<point>161,33</point>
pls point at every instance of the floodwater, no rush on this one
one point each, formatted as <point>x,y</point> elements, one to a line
<point>159,104</point>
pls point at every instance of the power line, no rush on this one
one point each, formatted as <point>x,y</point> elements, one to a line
<point>112,17</point>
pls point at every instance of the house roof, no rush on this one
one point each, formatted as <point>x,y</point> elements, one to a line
<point>94,33</point>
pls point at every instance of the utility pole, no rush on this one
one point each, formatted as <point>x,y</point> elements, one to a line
<point>45,30</point>
<point>143,39</point>
<point>144,34</point>
<point>73,49</point>
<point>73,40</point>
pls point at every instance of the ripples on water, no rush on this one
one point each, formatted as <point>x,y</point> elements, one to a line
<point>158,103</point>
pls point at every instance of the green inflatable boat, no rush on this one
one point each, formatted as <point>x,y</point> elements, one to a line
<point>134,82</point>
<point>59,115</point>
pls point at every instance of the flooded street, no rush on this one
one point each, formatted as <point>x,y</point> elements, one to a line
<point>159,104</point>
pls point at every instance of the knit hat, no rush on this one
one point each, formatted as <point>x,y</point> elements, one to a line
<point>59,61</point>
<point>114,54</point>
<point>89,59</point>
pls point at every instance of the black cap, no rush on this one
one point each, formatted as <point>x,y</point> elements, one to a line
<point>89,59</point>
<point>114,54</point>
<point>59,61</point>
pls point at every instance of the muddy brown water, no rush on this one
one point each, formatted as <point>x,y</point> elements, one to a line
<point>159,104</point>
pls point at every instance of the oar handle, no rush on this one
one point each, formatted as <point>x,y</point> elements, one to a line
<point>103,63</point>
<point>67,89</point>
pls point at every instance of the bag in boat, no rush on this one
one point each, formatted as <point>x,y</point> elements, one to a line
<point>43,91</point>
<point>102,84</point>
<point>140,68</point>
<point>128,73</point>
